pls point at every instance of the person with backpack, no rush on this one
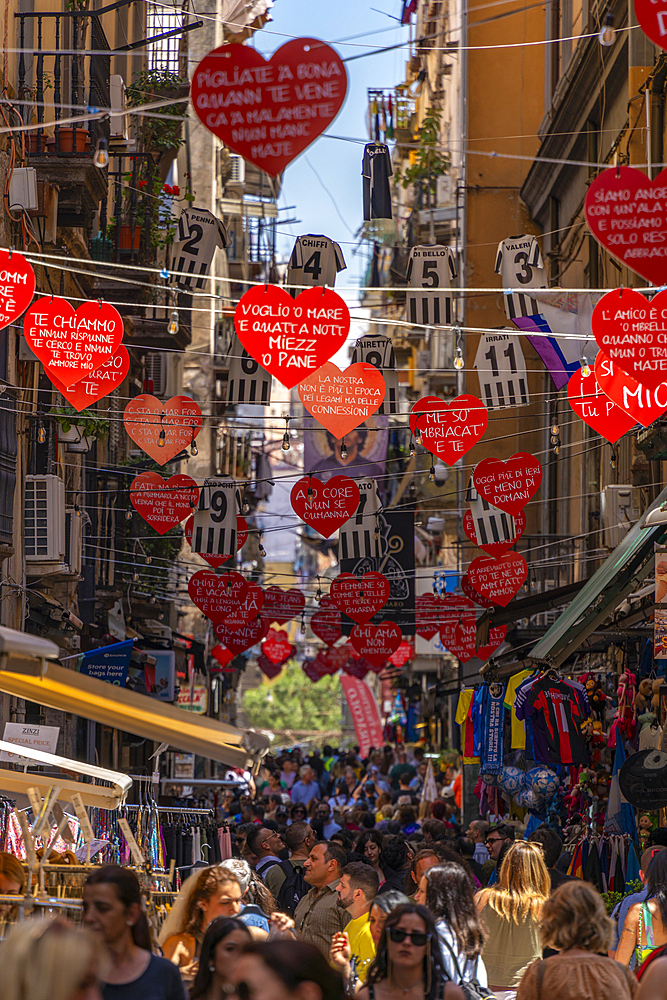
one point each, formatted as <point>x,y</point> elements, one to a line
<point>450,898</point>
<point>286,880</point>
<point>266,846</point>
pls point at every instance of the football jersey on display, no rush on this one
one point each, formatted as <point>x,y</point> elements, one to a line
<point>519,264</point>
<point>315,260</point>
<point>376,171</point>
<point>198,235</point>
<point>430,273</point>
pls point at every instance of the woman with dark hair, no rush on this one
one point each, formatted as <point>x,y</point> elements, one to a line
<point>395,859</point>
<point>112,910</point>
<point>450,899</point>
<point>408,963</point>
<point>380,909</point>
<point>298,813</point>
<point>369,844</point>
<point>407,817</point>
<point>286,970</point>
<point>645,927</point>
<point>342,795</point>
<point>223,943</point>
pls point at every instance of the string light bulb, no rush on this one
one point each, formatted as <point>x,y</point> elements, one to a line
<point>555,429</point>
<point>612,460</point>
<point>262,550</point>
<point>431,474</point>
<point>41,432</point>
<point>101,156</point>
<point>459,361</point>
<point>246,505</point>
<point>194,450</point>
<point>412,447</point>
<point>585,367</point>
<point>162,438</point>
<point>557,449</point>
<point>135,576</point>
<point>129,512</point>
<point>77,510</point>
<point>343,450</point>
<point>607,35</point>
<point>172,328</point>
<point>286,440</point>
<point>149,560</point>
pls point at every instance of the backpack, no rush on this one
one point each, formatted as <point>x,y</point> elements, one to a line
<point>471,989</point>
<point>293,888</point>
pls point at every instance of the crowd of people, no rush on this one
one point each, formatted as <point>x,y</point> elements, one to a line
<point>344,882</point>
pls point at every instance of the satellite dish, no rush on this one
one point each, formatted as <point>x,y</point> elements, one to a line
<point>643,779</point>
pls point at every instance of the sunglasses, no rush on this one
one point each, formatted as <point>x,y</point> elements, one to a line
<point>418,938</point>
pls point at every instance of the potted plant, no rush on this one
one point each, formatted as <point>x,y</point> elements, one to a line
<point>69,140</point>
<point>159,135</point>
<point>79,430</point>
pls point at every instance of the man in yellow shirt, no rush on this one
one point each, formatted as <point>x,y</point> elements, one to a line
<point>353,950</point>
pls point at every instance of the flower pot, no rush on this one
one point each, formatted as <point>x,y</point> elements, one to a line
<point>85,444</point>
<point>72,436</point>
<point>36,143</point>
<point>125,238</point>
<point>66,138</point>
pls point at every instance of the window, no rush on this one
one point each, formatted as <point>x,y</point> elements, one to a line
<point>165,54</point>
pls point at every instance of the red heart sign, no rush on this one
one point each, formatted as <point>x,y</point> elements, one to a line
<point>508,485</point>
<point>17,286</point>
<point>243,610</point>
<point>277,646</point>
<point>160,429</point>
<point>462,645</point>
<point>652,21</point>
<point>596,408</point>
<point>291,338</point>
<point>341,400</point>
<point>313,670</point>
<point>376,643</point>
<point>222,655</point>
<point>456,638</point>
<point>642,404</point>
<point>268,668</point>
<point>403,655</point>
<point>215,561</point>
<point>269,111</point>
<point>217,595</point>
<point>495,548</point>
<point>360,597</point>
<point>281,606</point>
<point>498,579</point>
<point>625,213</point>
<point>427,612</point>
<point>355,666</point>
<point>326,626</point>
<point>472,594</point>
<point>70,343</point>
<point>496,639</point>
<point>453,609</point>
<point>240,639</point>
<point>449,430</point>
<point>329,505</point>
<point>96,385</point>
<point>333,660</point>
<point>163,503</point>
<point>632,333</point>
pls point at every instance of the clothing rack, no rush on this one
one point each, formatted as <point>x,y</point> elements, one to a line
<point>181,810</point>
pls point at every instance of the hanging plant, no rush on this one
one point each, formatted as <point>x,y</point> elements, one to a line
<point>427,163</point>
<point>90,423</point>
<point>158,134</point>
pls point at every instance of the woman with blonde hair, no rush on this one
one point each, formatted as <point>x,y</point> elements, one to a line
<point>511,910</point>
<point>216,892</point>
<point>49,960</point>
<point>574,922</point>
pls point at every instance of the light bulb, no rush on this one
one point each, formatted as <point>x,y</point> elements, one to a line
<point>286,441</point>
<point>607,35</point>
<point>162,438</point>
<point>246,507</point>
<point>555,429</point>
<point>41,433</point>
<point>431,474</point>
<point>343,450</point>
<point>194,450</point>
<point>412,448</point>
<point>77,510</point>
<point>149,560</point>
<point>612,460</point>
<point>101,156</point>
<point>172,328</point>
<point>262,550</point>
<point>310,490</point>
<point>585,367</point>
<point>459,361</point>
<point>556,449</point>
<point>128,514</point>
<point>418,436</point>
<point>135,576</point>
<point>555,439</point>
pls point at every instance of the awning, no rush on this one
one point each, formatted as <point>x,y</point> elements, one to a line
<point>620,574</point>
<point>536,604</point>
<point>65,690</point>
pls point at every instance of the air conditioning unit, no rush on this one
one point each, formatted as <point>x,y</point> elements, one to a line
<point>44,519</point>
<point>155,370</point>
<point>73,541</point>
<point>619,509</point>
<point>118,128</point>
<point>237,167</point>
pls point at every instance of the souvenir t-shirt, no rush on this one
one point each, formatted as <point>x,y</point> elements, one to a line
<point>492,728</point>
<point>376,171</point>
<point>315,260</point>
<point>430,273</point>
<point>557,711</point>
<point>198,235</point>
<point>518,726</point>
<point>519,264</point>
<point>462,718</point>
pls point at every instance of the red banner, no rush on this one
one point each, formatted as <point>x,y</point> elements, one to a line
<point>365,713</point>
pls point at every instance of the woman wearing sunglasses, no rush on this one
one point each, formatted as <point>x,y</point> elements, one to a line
<point>408,964</point>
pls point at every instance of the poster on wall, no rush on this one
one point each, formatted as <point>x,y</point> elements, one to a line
<point>366,448</point>
<point>397,563</point>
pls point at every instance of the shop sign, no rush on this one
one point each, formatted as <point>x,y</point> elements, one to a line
<point>43,738</point>
<point>194,698</point>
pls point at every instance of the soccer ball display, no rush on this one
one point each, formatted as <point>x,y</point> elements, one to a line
<point>511,780</point>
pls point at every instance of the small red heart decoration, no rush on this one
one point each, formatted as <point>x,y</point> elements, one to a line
<point>326,625</point>
<point>269,110</point>
<point>215,561</point>
<point>240,639</point>
<point>456,638</point>
<point>453,609</point>
<point>625,210</point>
<point>313,670</point>
<point>291,338</point>
<point>217,595</point>
<point>376,643</point>
<point>472,594</point>
<point>164,503</point>
<point>146,418</point>
<point>355,665</point>
<point>632,333</point>
<point>360,597</point>
<point>463,644</point>
<point>96,385</point>
<point>330,505</point>
<point>498,579</point>
<point>403,655</point>
<point>449,430</point>
<point>281,606</point>
<point>651,20</point>
<point>222,655</point>
<point>427,611</point>
<point>333,659</point>
<point>71,343</point>
<point>508,485</point>
<point>596,409</point>
<point>277,646</point>
<point>642,404</point>
<point>341,400</point>
<point>268,668</point>
<point>495,548</point>
<point>496,639</point>
<point>17,286</point>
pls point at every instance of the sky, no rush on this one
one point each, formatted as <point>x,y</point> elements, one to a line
<point>331,163</point>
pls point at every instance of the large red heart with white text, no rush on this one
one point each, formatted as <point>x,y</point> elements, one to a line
<point>163,503</point>
<point>376,643</point>
<point>277,646</point>
<point>496,548</point>
<point>498,579</point>
<point>98,384</point>
<point>596,408</point>
<point>625,211</point>
<point>325,506</point>
<point>160,429</point>
<point>291,338</point>
<point>632,332</point>
<point>216,561</point>
<point>360,597</point>
<point>427,611</point>
<point>472,594</point>
<point>218,595</point>
<point>17,286</point>
<point>281,606</point>
<point>71,343</point>
<point>642,404</point>
<point>240,639</point>
<point>508,485</point>
<point>453,609</point>
<point>269,110</point>
<point>326,625</point>
<point>449,430</point>
<point>341,400</point>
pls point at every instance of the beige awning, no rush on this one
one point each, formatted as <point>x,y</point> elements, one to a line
<point>56,687</point>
